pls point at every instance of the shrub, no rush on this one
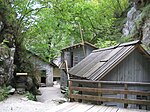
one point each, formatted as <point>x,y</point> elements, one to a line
<point>30,96</point>
<point>68,92</point>
<point>3,93</point>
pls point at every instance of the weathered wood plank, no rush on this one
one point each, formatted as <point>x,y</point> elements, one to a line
<point>95,108</point>
<point>98,98</point>
<point>100,73</point>
<point>80,108</point>
<point>84,63</point>
<point>111,82</point>
<point>129,110</point>
<point>91,63</point>
<point>103,109</point>
<point>114,109</point>
<point>112,53</point>
<point>62,106</point>
<point>69,108</point>
<point>109,109</point>
<point>122,110</point>
<point>92,69</point>
<point>112,91</point>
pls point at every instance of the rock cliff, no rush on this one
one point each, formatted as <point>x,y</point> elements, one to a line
<point>137,25</point>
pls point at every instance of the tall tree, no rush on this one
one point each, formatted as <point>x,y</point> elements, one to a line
<point>61,23</point>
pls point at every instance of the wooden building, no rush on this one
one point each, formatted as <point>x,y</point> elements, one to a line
<point>72,55</point>
<point>117,74</point>
<point>46,71</point>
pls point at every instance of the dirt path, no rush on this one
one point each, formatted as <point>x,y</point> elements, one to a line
<point>48,100</point>
<point>51,94</point>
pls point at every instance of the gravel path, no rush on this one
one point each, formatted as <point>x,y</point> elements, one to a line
<point>48,100</point>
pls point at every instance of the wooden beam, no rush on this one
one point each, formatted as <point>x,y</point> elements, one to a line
<point>21,74</point>
<point>112,91</point>
<point>111,82</point>
<point>98,98</point>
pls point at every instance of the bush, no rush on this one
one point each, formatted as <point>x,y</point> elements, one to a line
<point>68,92</point>
<point>30,96</point>
<point>3,93</point>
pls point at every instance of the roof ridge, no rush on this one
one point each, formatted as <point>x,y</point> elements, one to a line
<point>107,48</point>
<point>119,45</point>
<point>81,43</point>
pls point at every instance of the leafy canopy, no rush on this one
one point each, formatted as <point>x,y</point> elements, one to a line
<point>50,25</point>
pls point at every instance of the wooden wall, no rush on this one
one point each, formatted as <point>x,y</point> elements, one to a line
<point>56,72</point>
<point>73,57</point>
<point>78,55</point>
<point>63,79</point>
<point>134,68</point>
<point>89,50</point>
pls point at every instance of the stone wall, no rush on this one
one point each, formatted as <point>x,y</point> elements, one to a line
<point>42,65</point>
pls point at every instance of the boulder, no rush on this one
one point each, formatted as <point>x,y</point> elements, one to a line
<point>11,91</point>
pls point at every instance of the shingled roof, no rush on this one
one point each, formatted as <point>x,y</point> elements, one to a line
<point>96,65</point>
<point>79,45</point>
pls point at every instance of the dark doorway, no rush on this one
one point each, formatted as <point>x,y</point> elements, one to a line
<point>71,54</point>
<point>43,79</point>
<point>43,76</point>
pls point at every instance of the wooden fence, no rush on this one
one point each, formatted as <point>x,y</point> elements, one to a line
<point>80,86</point>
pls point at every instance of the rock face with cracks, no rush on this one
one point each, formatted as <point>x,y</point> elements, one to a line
<point>7,45</point>
<point>6,64</point>
<point>138,21</point>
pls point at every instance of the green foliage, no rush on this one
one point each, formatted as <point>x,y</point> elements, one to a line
<point>5,10</point>
<point>62,22</point>
<point>105,43</point>
<point>47,26</point>
<point>3,93</point>
<point>30,96</point>
<point>146,11</point>
<point>68,92</point>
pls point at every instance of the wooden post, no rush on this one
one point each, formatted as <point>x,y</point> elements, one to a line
<point>99,94</point>
<point>125,95</point>
<point>70,91</point>
<point>80,92</point>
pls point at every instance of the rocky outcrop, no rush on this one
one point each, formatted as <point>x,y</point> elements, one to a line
<point>7,46</point>
<point>132,16</point>
<point>12,50</point>
<point>138,22</point>
<point>146,32</point>
<point>6,64</point>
